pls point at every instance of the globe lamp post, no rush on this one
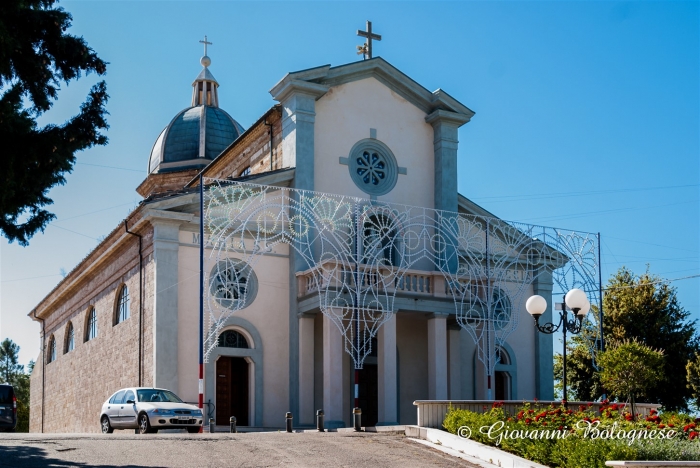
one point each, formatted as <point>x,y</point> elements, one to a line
<point>574,301</point>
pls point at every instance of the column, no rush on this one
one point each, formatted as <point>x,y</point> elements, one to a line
<point>332,374</point>
<point>306,371</point>
<point>544,355</point>
<point>298,99</point>
<point>387,374</point>
<point>165,304</point>
<point>437,358</point>
<point>445,128</point>
<point>455,363</point>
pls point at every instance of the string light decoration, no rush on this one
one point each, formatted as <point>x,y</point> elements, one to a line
<point>358,256</point>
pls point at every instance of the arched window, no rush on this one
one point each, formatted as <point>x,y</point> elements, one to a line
<point>501,309</point>
<point>70,338</point>
<point>502,356</point>
<point>91,328</point>
<point>379,235</point>
<point>245,172</point>
<point>232,339</point>
<point>122,311</point>
<point>51,352</point>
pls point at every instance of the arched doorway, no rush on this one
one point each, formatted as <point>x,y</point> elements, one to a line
<point>503,385</point>
<point>232,381</point>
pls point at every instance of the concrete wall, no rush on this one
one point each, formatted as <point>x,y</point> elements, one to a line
<point>268,314</point>
<point>345,115</point>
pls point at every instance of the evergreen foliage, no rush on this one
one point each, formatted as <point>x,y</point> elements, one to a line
<point>630,369</point>
<point>13,373</point>
<point>645,309</point>
<point>693,374</point>
<point>36,56</point>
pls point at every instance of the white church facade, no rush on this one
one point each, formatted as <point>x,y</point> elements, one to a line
<point>129,313</point>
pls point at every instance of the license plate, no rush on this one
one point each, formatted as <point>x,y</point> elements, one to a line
<point>183,418</point>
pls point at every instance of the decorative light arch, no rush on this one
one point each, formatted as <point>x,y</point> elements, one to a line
<point>466,258</point>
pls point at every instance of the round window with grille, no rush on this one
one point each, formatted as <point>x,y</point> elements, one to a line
<point>373,167</point>
<point>233,284</point>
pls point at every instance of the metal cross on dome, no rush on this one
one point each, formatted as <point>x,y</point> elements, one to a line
<point>366,48</point>
<point>205,42</point>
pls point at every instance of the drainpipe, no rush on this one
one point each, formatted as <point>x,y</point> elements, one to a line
<point>269,125</point>
<point>43,366</point>
<point>140,294</point>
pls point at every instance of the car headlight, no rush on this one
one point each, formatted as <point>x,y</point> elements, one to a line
<point>197,413</point>
<point>161,411</point>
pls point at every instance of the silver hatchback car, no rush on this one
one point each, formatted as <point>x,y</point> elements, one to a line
<point>148,409</point>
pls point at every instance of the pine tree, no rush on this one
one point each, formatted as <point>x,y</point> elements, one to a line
<point>36,56</point>
<point>9,358</point>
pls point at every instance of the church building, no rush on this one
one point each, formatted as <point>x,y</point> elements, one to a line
<point>129,313</point>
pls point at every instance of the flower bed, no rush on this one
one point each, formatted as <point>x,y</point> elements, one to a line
<point>580,437</point>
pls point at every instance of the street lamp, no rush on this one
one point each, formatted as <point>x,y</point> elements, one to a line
<point>576,301</point>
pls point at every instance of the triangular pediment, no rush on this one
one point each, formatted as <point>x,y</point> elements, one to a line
<point>317,81</point>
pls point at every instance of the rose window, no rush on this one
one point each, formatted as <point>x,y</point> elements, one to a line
<point>373,167</point>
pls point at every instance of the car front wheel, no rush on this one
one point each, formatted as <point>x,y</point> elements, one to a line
<point>144,424</point>
<point>106,426</point>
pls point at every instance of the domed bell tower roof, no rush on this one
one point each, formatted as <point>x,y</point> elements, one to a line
<point>197,134</point>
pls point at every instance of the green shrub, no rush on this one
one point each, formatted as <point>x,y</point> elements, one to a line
<point>571,448</point>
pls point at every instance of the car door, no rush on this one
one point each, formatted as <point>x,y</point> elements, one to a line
<point>127,411</point>
<point>113,408</point>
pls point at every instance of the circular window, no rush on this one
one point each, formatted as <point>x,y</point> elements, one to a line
<point>373,167</point>
<point>233,284</point>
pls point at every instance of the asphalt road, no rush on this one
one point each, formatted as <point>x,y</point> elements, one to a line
<point>259,449</point>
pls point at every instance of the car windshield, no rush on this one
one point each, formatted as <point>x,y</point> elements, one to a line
<point>157,396</point>
<point>5,394</point>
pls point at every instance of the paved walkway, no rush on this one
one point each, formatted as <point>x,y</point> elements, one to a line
<point>344,449</point>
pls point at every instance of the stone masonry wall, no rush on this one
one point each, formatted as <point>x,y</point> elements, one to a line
<point>79,381</point>
<point>252,151</point>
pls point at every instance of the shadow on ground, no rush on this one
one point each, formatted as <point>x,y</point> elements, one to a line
<point>22,456</point>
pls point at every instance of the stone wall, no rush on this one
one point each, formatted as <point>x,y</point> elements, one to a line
<point>79,381</point>
<point>252,150</point>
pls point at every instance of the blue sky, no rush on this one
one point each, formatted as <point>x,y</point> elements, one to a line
<point>587,115</point>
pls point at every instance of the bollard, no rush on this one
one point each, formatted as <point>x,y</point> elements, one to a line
<point>232,420</point>
<point>357,419</point>
<point>212,426</point>
<point>288,418</point>
<point>319,420</point>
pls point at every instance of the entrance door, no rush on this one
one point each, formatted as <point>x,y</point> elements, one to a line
<point>232,390</point>
<point>369,394</point>
<point>502,390</point>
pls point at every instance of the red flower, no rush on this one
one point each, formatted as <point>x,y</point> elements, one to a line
<point>528,421</point>
<point>693,435</point>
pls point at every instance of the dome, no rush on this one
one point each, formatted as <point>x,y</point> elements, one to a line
<point>179,145</point>
<point>197,134</point>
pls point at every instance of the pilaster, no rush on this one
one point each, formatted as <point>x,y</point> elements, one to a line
<point>332,375</point>
<point>544,354</point>
<point>437,358</point>
<point>306,371</point>
<point>165,303</point>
